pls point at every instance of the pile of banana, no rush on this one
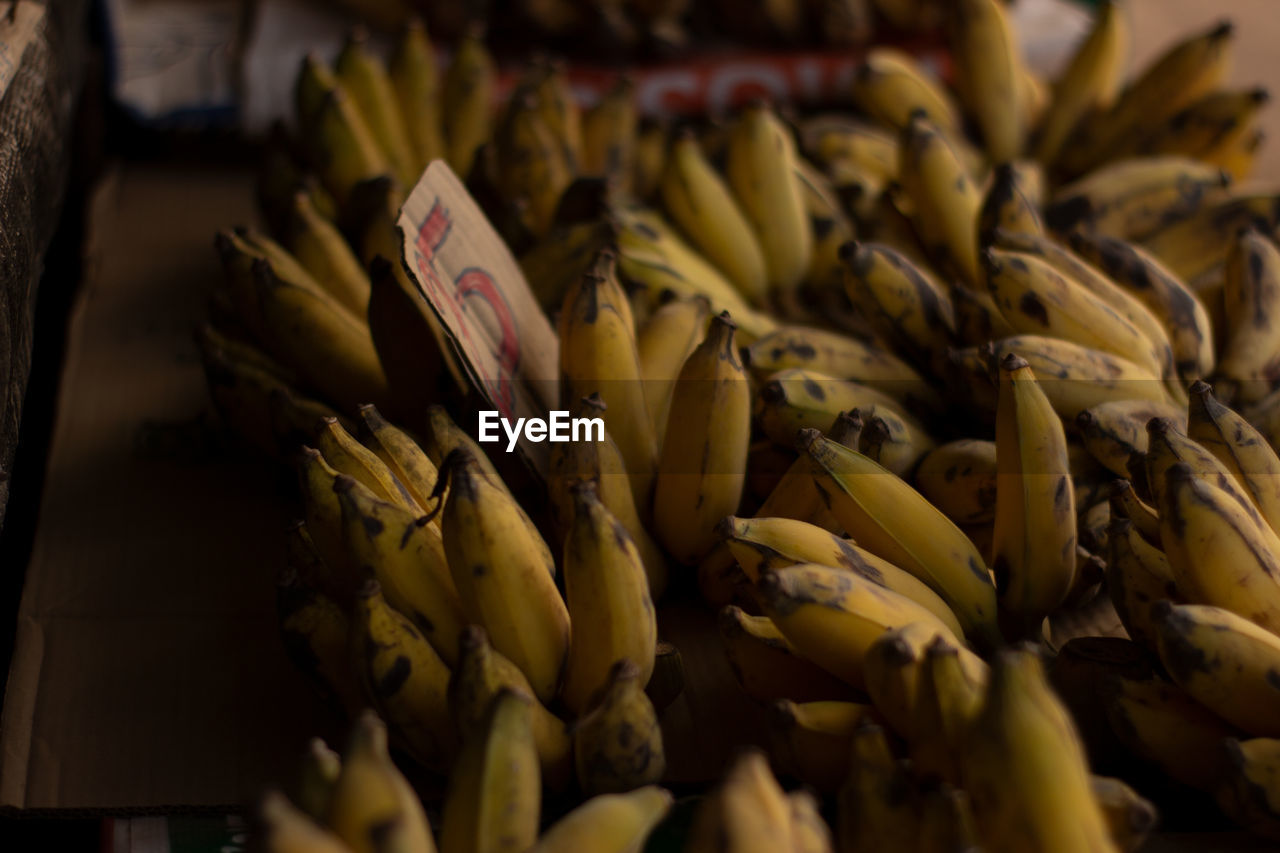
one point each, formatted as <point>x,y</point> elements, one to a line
<point>960,407</point>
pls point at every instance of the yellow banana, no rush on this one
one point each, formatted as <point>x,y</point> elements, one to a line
<point>1251,293</point>
<point>831,227</point>
<point>1138,575</point>
<point>812,740</point>
<point>760,163</point>
<point>609,131</point>
<point>617,744</point>
<point>494,800</point>
<point>890,86</point>
<point>959,478</point>
<point>608,823</point>
<point>876,806</point>
<point>762,544</point>
<point>560,112</point>
<point>1195,245</point>
<point>1205,123</point>
<point>466,100</point>
<point>1090,81</point>
<point>833,616</point>
<point>407,558</point>
<point>832,137</point>
<point>365,76</point>
<point>949,695</point>
<point>892,668</point>
<point>794,495</point>
<point>747,813</point>
<point>323,513</point>
<point>598,355</point>
<point>608,597</point>
<point>905,304</point>
<point>1244,451</point>
<point>1025,769</point>
<point>1125,503</point>
<point>890,442</point>
<point>1130,817</point>
<point>479,675</point>
<point>373,807</point>
<point>988,75</point>
<point>702,469</point>
<point>441,436</point>
<point>322,250</point>
<point>663,343</point>
<point>978,319</point>
<point>1237,154</point>
<point>768,667</point>
<point>701,203</point>
<point>1167,446</point>
<point>1113,432</point>
<point>1007,206</point>
<point>314,631</point>
<point>554,263</point>
<point>408,463</point>
<point>1219,553</point>
<point>895,522</point>
<point>531,162</point>
<point>504,580</point>
<point>416,83</point>
<point>809,832</point>
<point>797,399</point>
<point>1253,785</point>
<point>317,776</point>
<point>945,200</point>
<point>1224,661</point>
<point>286,829</point>
<point>345,151</point>
<point>348,456</point>
<point>649,158</point>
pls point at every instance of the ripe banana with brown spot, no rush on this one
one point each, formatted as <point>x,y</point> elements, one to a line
<point>1249,364</point>
<point>1138,576</point>
<point>959,478</point>
<point>617,743</point>
<point>904,303</point>
<point>1116,430</point>
<point>890,86</point>
<point>767,667</point>
<point>876,806</point>
<point>945,200</point>
<point>1244,451</point>
<point>1007,206</point>
<point>314,630</point>
<point>609,132</point>
<point>1194,246</point>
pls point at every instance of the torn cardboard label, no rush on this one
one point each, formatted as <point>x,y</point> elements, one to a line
<point>504,342</point>
<point>19,24</point>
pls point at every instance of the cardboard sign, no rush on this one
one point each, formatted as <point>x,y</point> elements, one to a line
<point>504,342</point>
<point>20,22</point>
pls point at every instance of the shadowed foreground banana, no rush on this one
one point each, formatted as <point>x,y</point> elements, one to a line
<point>617,743</point>
<point>700,480</point>
<point>946,200</point>
<point>768,667</point>
<point>811,740</point>
<point>1138,576</point>
<point>494,800</point>
<point>314,631</point>
<point>1252,789</point>
<point>608,823</point>
<point>663,343</point>
<point>286,829</point>
<point>317,775</point>
<point>949,695</point>
<point>747,813</point>
<point>876,806</point>
<point>891,670</point>
<point>894,521</point>
<point>1243,450</point>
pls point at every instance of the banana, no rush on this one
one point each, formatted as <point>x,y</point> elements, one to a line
<point>608,598</point>
<point>1130,817</point>
<point>1125,503</point>
<point>556,262</point>
<point>1090,82</point>
<point>1138,575</point>
<point>1133,198</point>
<point>373,807</point>
<point>502,574</point>
<point>891,670</point>
<point>317,337</point>
<point>405,678</point>
<point>598,355</point>
<point>648,159</point>
<point>888,441</point>
<point>1224,661</point>
<point>1193,246</point>
<point>365,76</point>
<point>1265,415</point>
<point>344,150</point>
<point>479,675</point>
<point>1236,154</point>
<point>1206,122</point>
<point>831,227</point>
<point>408,463</point>
<point>890,86</point>
<point>1252,795</point>
<point>804,399</point>
<point>959,478</point>
<point>702,205</point>
<point>1024,767</point>
<point>1160,723</point>
<point>617,744</point>
<point>1252,298</point>
<point>1167,446</point>
<point>494,799</point>
<point>609,132</point>
<point>946,821</point>
<point>949,695</point>
<point>1220,555</point>
<point>832,137</point>
<point>318,773</point>
<point>876,807</point>
<point>760,163</point>
<point>663,343</point>
<point>809,832</point>
<point>286,829</point>
<point>1035,299</point>
<point>811,741</point>
<point>608,823</point>
<point>767,667</point>
<point>323,513</point>
<point>978,320</point>
<point>560,112</point>
<point>1074,378</point>
<point>945,200</point>
<point>794,496</point>
<point>441,436</point>
<point>314,631</point>
<point>763,544</point>
<point>1240,447</point>
<point>988,75</point>
<point>1116,430</point>
<point>1007,206</point>
<point>407,558</point>
<point>601,462</point>
<point>466,100</point>
<point>415,81</point>
<point>747,813</point>
<point>897,523</point>
<point>348,456</point>
<point>322,250</point>
<point>700,481</point>
<point>904,304</point>
<point>242,251</point>
<point>833,616</point>
<point>531,162</point>
<point>1182,74</point>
